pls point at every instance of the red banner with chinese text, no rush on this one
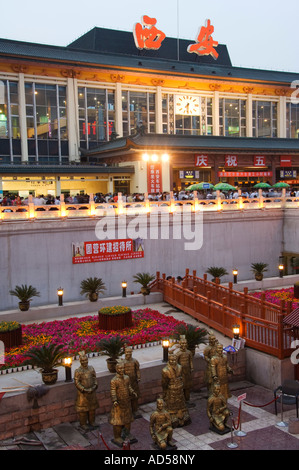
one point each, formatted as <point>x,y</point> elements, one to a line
<point>154,177</point>
<point>107,250</point>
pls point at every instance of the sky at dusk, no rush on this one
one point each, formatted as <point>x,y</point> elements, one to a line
<point>261,34</point>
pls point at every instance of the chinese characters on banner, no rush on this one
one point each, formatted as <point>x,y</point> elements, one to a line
<point>231,160</point>
<point>259,160</point>
<point>201,160</point>
<point>205,43</point>
<point>107,250</point>
<point>154,177</point>
<point>147,36</point>
<point>244,173</point>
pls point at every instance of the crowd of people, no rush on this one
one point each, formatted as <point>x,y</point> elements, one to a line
<point>16,200</point>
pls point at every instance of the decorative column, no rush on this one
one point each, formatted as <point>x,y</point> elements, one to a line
<point>22,118</point>
<point>249,132</point>
<point>118,110</point>
<point>72,119</point>
<point>159,119</point>
<point>282,117</point>
<point>216,113</point>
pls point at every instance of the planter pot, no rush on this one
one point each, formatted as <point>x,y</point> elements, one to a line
<point>24,306</point>
<point>12,339</point>
<point>296,291</point>
<point>50,378</point>
<point>93,297</point>
<point>115,322</point>
<point>111,364</point>
<point>259,276</point>
<point>145,291</point>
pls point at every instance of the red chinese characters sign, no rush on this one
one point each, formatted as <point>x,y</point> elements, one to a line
<point>244,173</point>
<point>205,44</point>
<point>231,160</point>
<point>146,35</point>
<point>259,160</point>
<point>285,161</point>
<point>154,177</point>
<point>107,250</point>
<point>201,160</point>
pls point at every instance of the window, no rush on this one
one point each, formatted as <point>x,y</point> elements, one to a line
<point>232,117</point>
<point>264,119</point>
<point>138,112</point>
<point>96,116</point>
<point>46,121</point>
<point>293,120</point>
<point>10,144</point>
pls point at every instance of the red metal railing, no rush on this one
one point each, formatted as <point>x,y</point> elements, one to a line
<point>221,307</point>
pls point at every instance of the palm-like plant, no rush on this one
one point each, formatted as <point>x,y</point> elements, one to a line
<point>92,287</point>
<point>25,294</point>
<point>194,335</point>
<point>216,272</point>
<point>259,269</point>
<point>46,358</point>
<point>144,279</point>
<point>112,347</point>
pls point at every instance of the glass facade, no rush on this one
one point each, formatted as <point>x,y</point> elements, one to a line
<point>138,111</point>
<point>292,123</point>
<point>96,116</point>
<point>264,119</point>
<point>10,143</point>
<point>46,121</point>
<point>232,117</point>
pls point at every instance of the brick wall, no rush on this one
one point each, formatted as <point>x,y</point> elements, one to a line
<point>18,417</point>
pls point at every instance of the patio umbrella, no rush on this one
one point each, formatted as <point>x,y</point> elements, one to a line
<point>200,186</point>
<point>262,186</point>
<point>281,184</point>
<point>224,187</point>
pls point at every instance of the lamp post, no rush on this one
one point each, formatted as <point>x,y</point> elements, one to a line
<point>67,362</point>
<point>124,287</point>
<point>165,346</point>
<point>235,274</point>
<point>281,268</point>
<point>60,296</point>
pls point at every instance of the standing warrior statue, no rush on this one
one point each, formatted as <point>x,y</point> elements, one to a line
<point>86,383</point>
<point>132,369</point>
<point>208,353</point>
<point>160,426</point>
<point>185,359</point>
<point>121,415</point>
<point>173,392</point>
<point>220,370</point>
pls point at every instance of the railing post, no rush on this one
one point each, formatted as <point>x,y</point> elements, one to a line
<point>194,298</point>
<point>223,313</point>
<point>262,305</point>
<point>209,303</point>
<point>230,291</point>
<point>245,300</point>
<point>92,209</point>
<point>261,199</point>
<point>62,206</point>
<point>31,207</point>
<point>242,328</point>
<point>280,352</point>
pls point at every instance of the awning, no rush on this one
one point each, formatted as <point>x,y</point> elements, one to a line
<point>292,318</point>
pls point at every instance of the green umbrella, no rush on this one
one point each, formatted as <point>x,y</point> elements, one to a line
<point>262,185</point>
<point>200,186</point>
<point>224,187</point>
<point>281,184</point>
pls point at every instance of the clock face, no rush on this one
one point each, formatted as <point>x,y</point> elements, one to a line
<point>187,105</point>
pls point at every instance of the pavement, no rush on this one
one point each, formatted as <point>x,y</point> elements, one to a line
<point>253,423</point>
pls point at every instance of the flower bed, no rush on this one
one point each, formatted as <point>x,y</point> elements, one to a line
<point>115,318</point>
<point>276,295</point>
<point>77,334</point>
<point>11,334</point>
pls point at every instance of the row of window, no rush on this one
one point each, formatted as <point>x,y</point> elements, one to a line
<point>46,118</point>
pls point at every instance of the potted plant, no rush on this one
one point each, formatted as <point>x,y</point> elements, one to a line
<point>46,358</point>
<point>92,287</point>
<point>216,272</point>
<point>144,279</point>
<point>258,269</point>
<point>296,290</point>
<point>194,335</point>
<point>112,347</point>
<point>25,294</point>
<point>117,317</point>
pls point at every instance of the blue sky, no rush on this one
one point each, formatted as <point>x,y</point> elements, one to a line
<point>260,34</point>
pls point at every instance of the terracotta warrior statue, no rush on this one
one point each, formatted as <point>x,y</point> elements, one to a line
<point>86,383</point>
<point>220,370</point>
<point>208,353</point>
<point>173,392</point>
<point>185,359</point>
<point>217,411</point>
<point>132,369</point>
<point>161,427</point>
<point>121,415</point>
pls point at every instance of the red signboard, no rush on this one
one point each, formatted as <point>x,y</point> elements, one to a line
<point>154,177</point>
<point>259,160</point>
<point>231,160</point>
<point>285,161</point>
<point>205,44</point>
<point>107,250</point>
<point>146,35</point>
<point>201,160</point>
<point>244,173</point>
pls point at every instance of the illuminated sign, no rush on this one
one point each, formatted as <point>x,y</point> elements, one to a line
<point>154,177</point>
<point>146,35</point>
<point>285,161</point>
<point>106,250</point>
<point>205,44</point>
<point>244,173</point>
<point>189,174</point>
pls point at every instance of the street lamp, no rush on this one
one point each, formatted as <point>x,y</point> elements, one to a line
<point>60,296</point>
<point>235,274</point>
<point>124,287</point>
<point>67,362</point>
<point>236,331</point>
<point>281,268</point>
<point>165,346</point>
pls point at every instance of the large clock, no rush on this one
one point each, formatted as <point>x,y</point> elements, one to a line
<point>187,105</point>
